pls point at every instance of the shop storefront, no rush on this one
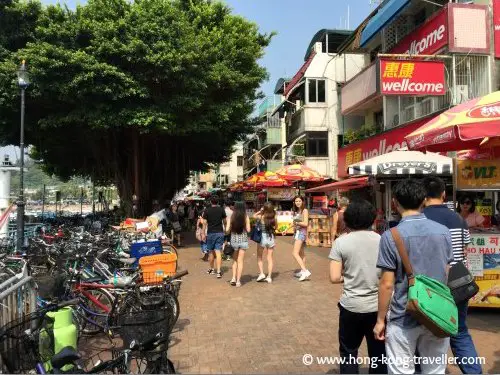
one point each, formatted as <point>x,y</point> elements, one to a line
<point>480,180</point>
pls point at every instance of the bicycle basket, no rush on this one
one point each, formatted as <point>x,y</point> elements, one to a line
<point>141,325</point>
<point>20,344</point>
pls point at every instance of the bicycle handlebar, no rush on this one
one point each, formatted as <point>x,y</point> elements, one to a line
<point>178,275</point>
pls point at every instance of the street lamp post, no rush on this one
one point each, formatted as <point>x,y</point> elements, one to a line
<point>23,82</point>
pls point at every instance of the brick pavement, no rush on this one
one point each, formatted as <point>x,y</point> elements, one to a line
<point>267,328</point>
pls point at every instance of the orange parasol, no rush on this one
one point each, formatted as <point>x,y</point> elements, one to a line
<point>469,125</point>
<point>299,172</point>
<point>265,179</point>
<point>237,186</point>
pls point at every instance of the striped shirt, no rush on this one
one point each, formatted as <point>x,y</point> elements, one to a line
<point>460,236</point>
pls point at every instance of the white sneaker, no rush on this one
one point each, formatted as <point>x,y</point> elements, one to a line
<point>261,277</point>
<point>238,284</point>
<point>298,274</point>
<point>269,280</point>
<point>305,275</point>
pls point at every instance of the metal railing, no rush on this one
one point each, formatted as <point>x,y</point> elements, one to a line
<point>17,298</point>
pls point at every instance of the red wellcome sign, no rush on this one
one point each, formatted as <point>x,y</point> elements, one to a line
<point>428,39</point>
<point>406,77</point>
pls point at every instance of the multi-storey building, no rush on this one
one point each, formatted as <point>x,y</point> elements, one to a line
<point>264,150</point>
<point>456,33</point>
<point>310,101</point>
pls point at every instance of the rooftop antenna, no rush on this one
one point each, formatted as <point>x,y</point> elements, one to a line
<point>348,17</point>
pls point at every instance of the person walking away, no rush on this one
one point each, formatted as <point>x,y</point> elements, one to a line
<point>238,229</point>
<point>462,345</point>
<point>228,208</point>
<point>355,256</point>
<point>430,252</point>
<point>191,216</point>
<point>181,211</point>
<point>338,226</point>
<point>301,222</point>
<point>214,220</point>
<point>467,209</point>
<point>176,225</point>
<point>267,218</point>
<point>201,235</point>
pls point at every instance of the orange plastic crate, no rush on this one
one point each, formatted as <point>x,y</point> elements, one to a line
<point>156,267</point>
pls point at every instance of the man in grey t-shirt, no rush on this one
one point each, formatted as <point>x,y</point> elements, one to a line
<point>430,251</point>
<point>356,254</point>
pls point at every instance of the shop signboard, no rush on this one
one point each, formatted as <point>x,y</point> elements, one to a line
<point>496,26</point>
<point>428,39</point>
<point>483,261</point>
<point>249,196</point>
<point>380,144</point>
<point>281,194</point>
<point>478,174</point>
<point>410,77</point>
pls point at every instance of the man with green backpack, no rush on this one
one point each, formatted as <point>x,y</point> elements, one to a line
<point>413,296</point>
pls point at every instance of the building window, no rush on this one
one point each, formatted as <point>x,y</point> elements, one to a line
<point>317,90</point>
<point>317,144</point>
<point>239,161</point>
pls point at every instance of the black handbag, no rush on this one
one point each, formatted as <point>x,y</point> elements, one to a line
<point>461,282</point>
<point>256,233</point>
<point>228,249</point>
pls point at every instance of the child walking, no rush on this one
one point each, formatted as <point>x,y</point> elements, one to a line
<point>267,217</point>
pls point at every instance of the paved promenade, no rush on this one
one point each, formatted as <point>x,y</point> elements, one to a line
<point>267,328</point>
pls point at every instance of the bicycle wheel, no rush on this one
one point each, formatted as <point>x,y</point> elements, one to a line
<point>93,318</point>
<point>173,303</point>
<point>160,364</point>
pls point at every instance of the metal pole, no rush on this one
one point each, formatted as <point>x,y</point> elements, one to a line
<point>20,202</point>
<point>43,201</point>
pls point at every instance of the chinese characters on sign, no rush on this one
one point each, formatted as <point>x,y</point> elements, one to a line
<point>412,77</point>
<point>353,157</point>
<point>393,70</point>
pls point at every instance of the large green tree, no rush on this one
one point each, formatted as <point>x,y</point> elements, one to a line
<point>135,93</point>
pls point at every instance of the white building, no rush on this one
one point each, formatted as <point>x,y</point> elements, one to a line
<point>232,171</point>
<point>311,102</point>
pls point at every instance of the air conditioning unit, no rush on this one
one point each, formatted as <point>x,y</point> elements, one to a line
<point>461,93</point>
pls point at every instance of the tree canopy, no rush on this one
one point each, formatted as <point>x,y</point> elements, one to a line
<point>134,93</point>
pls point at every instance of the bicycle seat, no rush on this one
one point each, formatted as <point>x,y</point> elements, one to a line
<point>94,279</point>
<point>66,356</point>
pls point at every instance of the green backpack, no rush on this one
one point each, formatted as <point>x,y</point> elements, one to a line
<point>429,301</point>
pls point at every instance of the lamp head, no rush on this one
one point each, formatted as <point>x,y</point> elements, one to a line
<point>23,76</point>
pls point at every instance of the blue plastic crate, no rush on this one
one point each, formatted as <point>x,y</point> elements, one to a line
<point>142,249</point>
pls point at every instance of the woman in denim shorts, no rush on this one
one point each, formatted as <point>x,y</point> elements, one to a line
<point>267,217</point>
<point>239,226</point>
<point>301,222</point>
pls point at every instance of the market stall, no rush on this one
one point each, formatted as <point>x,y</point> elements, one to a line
<point>386,170</point>
<point>282,199</point>
<point>481,179</point>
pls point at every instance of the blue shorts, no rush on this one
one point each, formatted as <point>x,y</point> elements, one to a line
<point>267,240</point>
<point>240,245</point>
<point>300,235</point>
<point>215,241</point>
